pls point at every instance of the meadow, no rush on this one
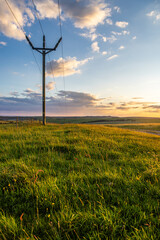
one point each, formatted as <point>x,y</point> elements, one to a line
<point>146,127</point>
<point>76,181</point>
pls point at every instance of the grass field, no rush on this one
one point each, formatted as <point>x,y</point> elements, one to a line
<point>78,182</point>
<point>143,127</point>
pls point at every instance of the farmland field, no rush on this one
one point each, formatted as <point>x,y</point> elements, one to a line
<point>77,181</point>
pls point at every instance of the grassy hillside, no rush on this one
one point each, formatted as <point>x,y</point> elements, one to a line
<point>78,182</point>
<point>151,127</point>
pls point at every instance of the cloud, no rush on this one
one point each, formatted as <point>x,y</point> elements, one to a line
<point>121,47</point>
<point>116,8</point>
<point>47,8</point>
<point>121,24</point>
<point>66,67</point>
<point>91,34</point>
<point>134,38</point>
<point>112,57</point>
<point>151,14</point>
<point>121,33</point>
<point>104,53</point>
<point>125,32</point>
<point>86,13</point>
<point>15,94</point>
<point>155,15</point>
<point>79,98</point>
<point>3,43</point>
<point>28,91</point>
<point>109,21</point>
<point>32,94</point>
<point>8,25</point>
<point>77,103</point>
<point>95,47</point>
<point>110,39</point>
<point>157,107</point>
<point>140,106</point>
<point>50,86</point>
<point>137,98</point>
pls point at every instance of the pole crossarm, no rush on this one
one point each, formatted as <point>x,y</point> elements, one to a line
<point>28,40</point>
<point>41,50</point>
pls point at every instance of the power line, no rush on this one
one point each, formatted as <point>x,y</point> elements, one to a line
<point>15,17</point>
<point>51,66</point>
<point>38,17</point>
<point>22,31</point>
<point>62,49</point>
<point>36,60</point>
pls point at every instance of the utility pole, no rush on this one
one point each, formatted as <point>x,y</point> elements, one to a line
<point>44,51</point>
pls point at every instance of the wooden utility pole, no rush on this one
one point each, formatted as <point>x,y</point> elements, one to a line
<point>44,82</point>
<point>44,51</point>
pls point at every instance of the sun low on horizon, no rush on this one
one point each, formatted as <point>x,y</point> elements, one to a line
<point>107,63</point>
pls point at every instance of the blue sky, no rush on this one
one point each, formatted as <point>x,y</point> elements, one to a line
<point>110,58</point>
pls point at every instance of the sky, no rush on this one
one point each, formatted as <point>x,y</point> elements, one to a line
<point>106,65</point>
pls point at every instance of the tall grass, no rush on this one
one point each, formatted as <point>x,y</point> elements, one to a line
<point>78,182</point>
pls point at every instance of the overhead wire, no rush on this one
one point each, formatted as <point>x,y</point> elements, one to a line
<point>51,66</point>
<point>60,23</point>
<point>22,31</point>
<point>38,18</point>
<point>62,48</point>
<point>14,16</point>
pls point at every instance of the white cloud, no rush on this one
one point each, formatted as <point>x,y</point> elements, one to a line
<point>90,34</point>
<point>111,39</point>
<point>121,47</point>
<point>68,66</point>
<point>8,25</point>
<point>50,86</point>
<point>117,33</point>
<point>104,39</point>
<point>95,47</point>
<point>116,8</point>
<point>158,16</point>
<point>109,21</point>
<point>86,14</point>
<point>121,24</point>
<point>134,38</point>
<point>3,43</point>
<point>151,14</point>
<point>104,53</point>
<point>124,32</point>
<point>112,57</point>
<point>47,8</point>
<point>155,15</point>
